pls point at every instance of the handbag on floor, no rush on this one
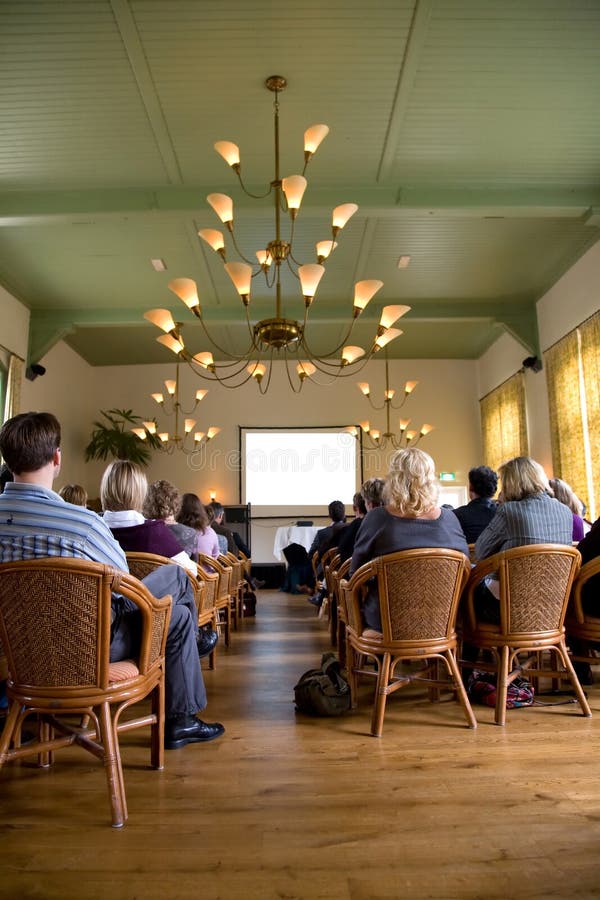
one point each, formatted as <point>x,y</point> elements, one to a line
<point>481,688</point>
<point>323,691</point>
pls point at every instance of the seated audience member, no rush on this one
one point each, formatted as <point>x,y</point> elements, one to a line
<point>481,509</point>
<point>410,519</point>
<point>564,494</point>
<point>193,516</point>
<point>74,493</point>
<point>35,522</point>
<point>220,537</point>
<point>217,525</point>
<point>372,496</point>
<point>123,491</point>
<point>162,501</point>
<point>589,548</point>
<point>325,538</point>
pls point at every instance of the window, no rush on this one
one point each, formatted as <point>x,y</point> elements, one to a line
<point>503,422</point>
<point>573,379</point>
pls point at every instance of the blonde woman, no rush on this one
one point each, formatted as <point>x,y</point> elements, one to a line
<point>410,519</point>
<point>74,493</point>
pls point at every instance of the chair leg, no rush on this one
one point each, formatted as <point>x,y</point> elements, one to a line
<point>157,730</point>
<point>7,734</point>
<point>351,663</point>
<point>341,642</point>
<point>112,765</point>
<point>561,649</point>
<point>460,688</point>
<point>381,692</point>
<point>502,686</point>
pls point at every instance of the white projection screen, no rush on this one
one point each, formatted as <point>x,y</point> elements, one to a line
<point>298,471</point>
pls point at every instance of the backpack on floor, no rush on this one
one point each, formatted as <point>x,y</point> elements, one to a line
<point>324,691</point>
<point>481,688</point>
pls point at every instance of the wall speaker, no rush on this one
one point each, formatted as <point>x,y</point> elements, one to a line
<point>533,363</point>
<point>32,371</point>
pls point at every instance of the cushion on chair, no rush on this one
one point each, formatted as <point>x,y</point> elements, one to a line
<point>122,670</point>
<point>371,635</point>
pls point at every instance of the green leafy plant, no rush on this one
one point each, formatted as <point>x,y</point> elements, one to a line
<point>115,439</point>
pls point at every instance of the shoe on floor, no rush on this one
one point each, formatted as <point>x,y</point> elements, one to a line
<point>584,673</point>
<point>257,584</point>
<point>206,641</point>
<point>316,600</point>
<point>190,730</point>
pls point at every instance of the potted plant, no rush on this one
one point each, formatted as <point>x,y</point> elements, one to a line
<point>115,439</point>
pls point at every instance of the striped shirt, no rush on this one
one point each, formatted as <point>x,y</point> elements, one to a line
<point>538,519</point>
<point>35,522</point>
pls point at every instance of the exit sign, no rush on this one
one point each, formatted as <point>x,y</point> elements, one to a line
<point>447,476</point>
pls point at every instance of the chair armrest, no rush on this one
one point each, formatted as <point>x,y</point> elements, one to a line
<point>352,592</point>
<point>587,571</point>
<point>155,613</point>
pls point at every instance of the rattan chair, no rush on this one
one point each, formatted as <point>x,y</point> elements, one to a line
<point>534,585</point>
<point>419,591</point>
<point>204,585</point>
<point>341,614</point>
<point>223,598</point>
<point>55,623</point>
<point>581,625</point>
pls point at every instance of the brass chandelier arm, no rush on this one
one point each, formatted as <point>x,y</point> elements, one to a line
<point>218,377</point>
<point>336,350</point>
<point>239,252</point>
<point>234,357</point>
<point>238,172</point>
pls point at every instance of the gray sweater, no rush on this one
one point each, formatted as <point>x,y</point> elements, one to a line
<point>382,533</point>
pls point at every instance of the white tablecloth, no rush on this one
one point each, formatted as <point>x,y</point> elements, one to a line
<point>293,534</point>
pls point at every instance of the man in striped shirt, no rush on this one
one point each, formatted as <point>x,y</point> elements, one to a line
<point>36,522</point>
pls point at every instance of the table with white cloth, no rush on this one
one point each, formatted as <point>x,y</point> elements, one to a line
<point>293,534</point>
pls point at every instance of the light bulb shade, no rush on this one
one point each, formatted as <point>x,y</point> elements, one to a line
<point>171,343</point>
<point>410,436</point>
<point>388,335</point>
<point>162,318</point>
<point>364,387</point>
<point>375,434</point>
<point>410,386</point>
<point>170,386</point>
<point>351,354</point>
<point>164,436</point>
<point>188,425</point>
<point>364,291</point>
<point>223,206</point>
<point>139,432</point>
<point>342,213</point>
<point>351,429</point>
<point>204,359</point>
<point>293,187</point>
<point>200,395</point>
<point>241,275</point>
<point>198,436</point>
<point>391,314</point>
<point>365,426</point>
<point>150,427</point>
<point>426,429</point>
<point>229,151</point>
<point>158,397</point>
<point>264,258</point>
<point>305,370</point>
<point>212,432</point>
<point>313,137</point>
<point>257,370</point>
<point>310,276</point>
<point>403,424</point>
<point>389,394</point>
<point>213,238</point>
<point>325,249</point>
<point>186,290</point>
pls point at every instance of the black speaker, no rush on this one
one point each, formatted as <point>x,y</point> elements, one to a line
<point>32,371</point>
<point>533,363</point>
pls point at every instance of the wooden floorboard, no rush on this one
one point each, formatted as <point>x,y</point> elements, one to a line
<point>289,807</point>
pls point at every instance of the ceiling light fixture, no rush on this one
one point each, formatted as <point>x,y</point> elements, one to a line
<point>277,337</point>
<point>372,436</point>
<point>171,405</point>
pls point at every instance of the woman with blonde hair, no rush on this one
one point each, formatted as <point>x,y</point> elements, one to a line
<point>163,502</point>
<point>410,519</point>
<point>565,494</point>
<point>74,493</point>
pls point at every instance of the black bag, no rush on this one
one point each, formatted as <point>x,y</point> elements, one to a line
<point>249,602</point>
<point>324,691</point>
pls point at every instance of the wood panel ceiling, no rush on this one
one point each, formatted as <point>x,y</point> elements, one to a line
<point>466,130</point>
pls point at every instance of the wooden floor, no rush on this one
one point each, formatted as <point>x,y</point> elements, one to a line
<point>288,807</point>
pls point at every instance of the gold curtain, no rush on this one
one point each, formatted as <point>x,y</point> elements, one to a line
<point>12,400</point>
<point>590,367</point>
<point>504,422</point>
<point>573,376</point>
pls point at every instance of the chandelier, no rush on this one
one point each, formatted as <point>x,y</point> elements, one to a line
<point>372,436</point>
<point>277,337</point>
<point>171,406</point>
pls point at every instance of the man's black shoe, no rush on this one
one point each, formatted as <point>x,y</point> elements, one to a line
<point>190,730</point>
<point>207,639</point>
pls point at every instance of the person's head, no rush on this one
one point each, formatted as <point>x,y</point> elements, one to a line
<point>161,501</point>
<point>372,491</point>
<point>5,476</point>
<point>483,482</point>
<point>29,441</point>
<point>337,511</point>
<point>74,493</point>
<point>218,511</point>
<point>192,513</point>
<point>358,504</point>
<point>565,494</point>
<point>522,477</point>
<point>123,486</point>
<point>411,487</point>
